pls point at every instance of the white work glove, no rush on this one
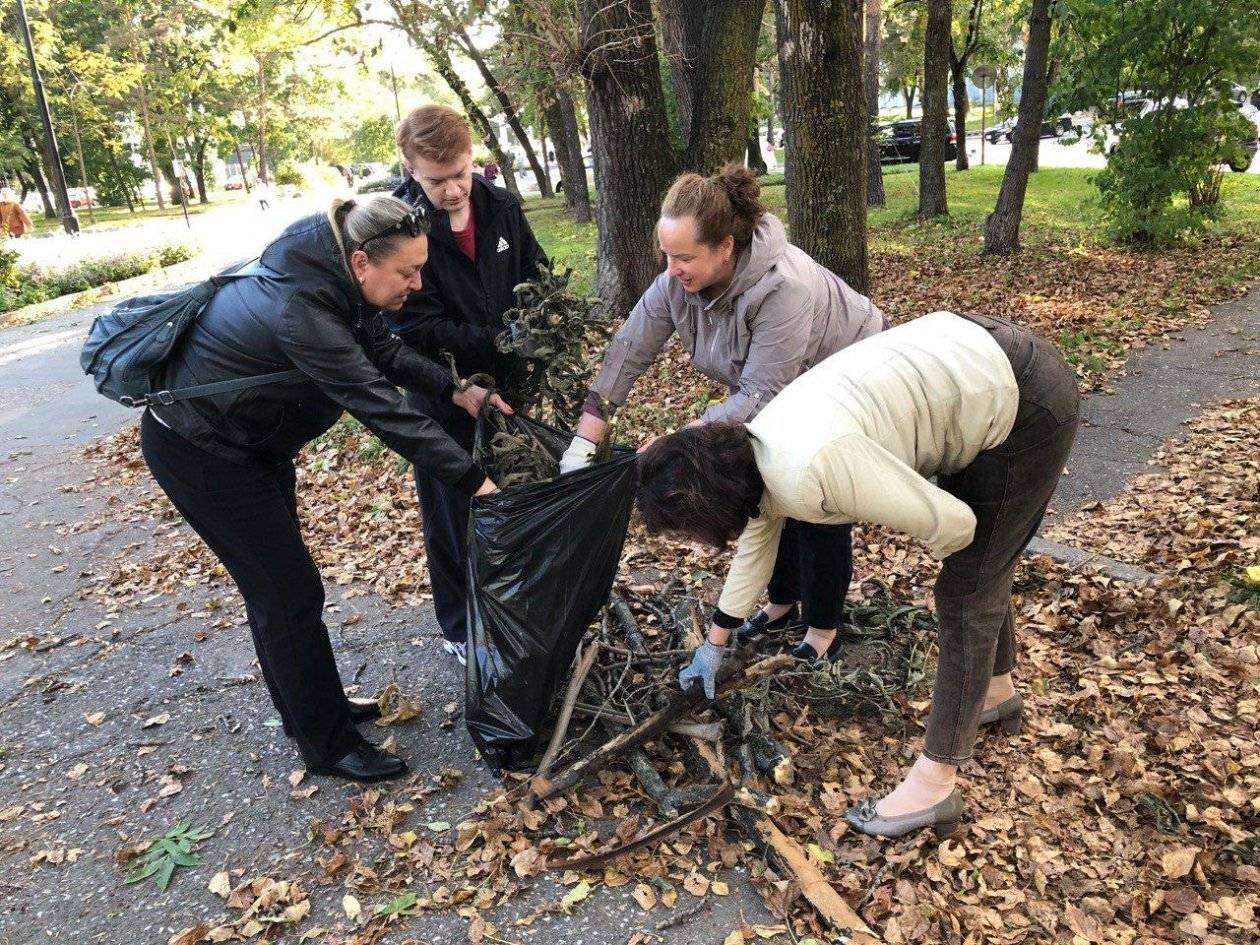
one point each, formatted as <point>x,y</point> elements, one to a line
<point>577,455</point>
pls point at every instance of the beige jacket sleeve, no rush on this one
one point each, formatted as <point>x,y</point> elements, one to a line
<point>752,566</point>
<point>863,482</point>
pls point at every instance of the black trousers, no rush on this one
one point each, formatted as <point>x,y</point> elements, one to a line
<point>814,566</point>
<point>247,514</point>
<point>444,520</point>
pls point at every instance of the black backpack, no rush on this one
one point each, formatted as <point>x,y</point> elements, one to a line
<point>127,346</point>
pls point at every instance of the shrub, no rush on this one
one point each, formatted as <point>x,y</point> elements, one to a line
<point>379,185</point>
<point>287,174</point>
<point>8,263</point>
<point>1162,180</point>
<point>27,285</point>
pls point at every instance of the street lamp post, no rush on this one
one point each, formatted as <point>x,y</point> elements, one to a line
<point>68,219</point>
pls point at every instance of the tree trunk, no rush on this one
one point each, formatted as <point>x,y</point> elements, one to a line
<point>1001,230</point>
<point>820,63</point>
<point>907,93</point>
<point>41,184</point>
<point>148,139</point>
<point>562,119</point>
<point>711,49</point>
<point>242,167</point>
<point>630,135</point>
<point>756,163</point>
<point>197,149</point>
<point>870,82</point>
<point>959,71</point>
<point>509,112</point>
<point>261,155</point>
<point>935,125</point>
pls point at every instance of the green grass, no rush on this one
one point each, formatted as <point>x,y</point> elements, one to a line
<point>111,217</point>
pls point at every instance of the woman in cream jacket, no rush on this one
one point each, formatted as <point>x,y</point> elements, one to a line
<point>987,408</point>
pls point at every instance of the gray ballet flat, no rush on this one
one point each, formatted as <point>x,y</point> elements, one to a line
<point>1008,714</point>
<point>943,817</point>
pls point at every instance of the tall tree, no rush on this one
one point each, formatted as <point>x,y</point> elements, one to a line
<point>961,50</point>
<point>561,116</point>
<point>901,51</point>
<point>870,83</point>
<point>630,136</point>
<point>825,114</point>
<point>1001,230</point>
<point>710,48</point>
<point>496,88</point>
<point>935,126</point>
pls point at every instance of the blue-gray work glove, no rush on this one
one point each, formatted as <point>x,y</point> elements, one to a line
<point>704,667</point>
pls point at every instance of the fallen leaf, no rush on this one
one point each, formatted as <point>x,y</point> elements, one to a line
<point>351,907</point>
<point>1178,861</point>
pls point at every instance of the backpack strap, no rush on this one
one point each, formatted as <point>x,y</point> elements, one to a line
<point>166,397</point>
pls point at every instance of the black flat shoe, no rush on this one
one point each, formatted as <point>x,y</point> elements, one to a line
<point>759,625</point>
<point>361,710</point>
<point>365,764</point>
<point>806,652</point>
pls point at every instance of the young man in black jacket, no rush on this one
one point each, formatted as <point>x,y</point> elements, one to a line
<point>480,249</point>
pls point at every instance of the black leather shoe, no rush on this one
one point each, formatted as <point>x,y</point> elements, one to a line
<point>365,764</point>
<point>806,652</point>
<point>361,710</point>
<point>759,625</point>
<point>364,710</point>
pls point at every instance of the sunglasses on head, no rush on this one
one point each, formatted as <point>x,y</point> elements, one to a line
<point>413,224</point>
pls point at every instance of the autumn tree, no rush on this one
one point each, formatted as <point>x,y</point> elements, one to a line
<point>1001,229</point>
<point>870,84</point>
<point>825,115</point>
<point>963,44</point>
<point>709,48</point>
<point>935,125</point>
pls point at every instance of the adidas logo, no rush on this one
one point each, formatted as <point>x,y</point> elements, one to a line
<point>503,245</point>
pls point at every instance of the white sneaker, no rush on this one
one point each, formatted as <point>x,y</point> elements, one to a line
<point>458,650</point>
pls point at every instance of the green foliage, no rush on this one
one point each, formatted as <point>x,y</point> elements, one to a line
<point>176,847</point>
<point>27,285</point>
<point>373,140</point>
<point>1162,179</point>
<point>288,174</point>
<point>8,264</point>
<point>1161,182</point>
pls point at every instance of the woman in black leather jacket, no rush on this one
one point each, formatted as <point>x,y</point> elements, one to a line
<point>226,461</point>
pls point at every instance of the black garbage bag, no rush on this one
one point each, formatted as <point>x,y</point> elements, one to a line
<point>541,560</point>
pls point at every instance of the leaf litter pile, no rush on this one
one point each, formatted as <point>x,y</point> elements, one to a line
<point>1127,811</point>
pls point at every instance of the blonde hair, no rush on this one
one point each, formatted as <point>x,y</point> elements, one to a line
<point>354,222</point>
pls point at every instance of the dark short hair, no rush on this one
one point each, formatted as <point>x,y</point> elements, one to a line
<point>701,481</point>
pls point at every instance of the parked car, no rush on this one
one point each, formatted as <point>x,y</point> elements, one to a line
<point>903,141</point>
<point>234,182</point>
<point>1002,131</point>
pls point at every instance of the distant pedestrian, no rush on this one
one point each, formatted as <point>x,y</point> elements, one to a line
<point>491,173</point>
<point>1255,98</point>
<point>262,191</point>
<point>13,218</point>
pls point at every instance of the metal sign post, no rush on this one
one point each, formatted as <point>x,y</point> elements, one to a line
<point>982,74</point>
